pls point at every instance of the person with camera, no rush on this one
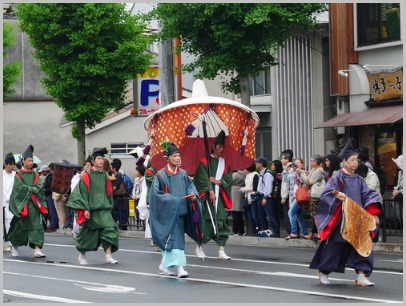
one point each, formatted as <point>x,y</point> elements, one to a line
<point>266,207</point>
<point>295,210</point>
<point>316,182</point>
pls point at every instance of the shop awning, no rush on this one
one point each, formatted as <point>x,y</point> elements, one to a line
<point>372,116</point>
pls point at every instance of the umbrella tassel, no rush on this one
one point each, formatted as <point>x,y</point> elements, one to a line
<point>146,151</point>
<point>244,143</point>
<point>140,161</point>
<point>195,216</point>
<point>245,137</point>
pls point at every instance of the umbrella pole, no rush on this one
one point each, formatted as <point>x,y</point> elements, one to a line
<point>211,218</point>
<point>206,145</point>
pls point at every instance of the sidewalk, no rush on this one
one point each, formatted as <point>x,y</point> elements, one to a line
<point>394,244</point>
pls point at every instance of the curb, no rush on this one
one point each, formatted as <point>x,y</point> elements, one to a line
<point>262,242</point>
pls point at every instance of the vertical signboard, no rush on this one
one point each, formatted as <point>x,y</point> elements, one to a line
<point>148,92</point>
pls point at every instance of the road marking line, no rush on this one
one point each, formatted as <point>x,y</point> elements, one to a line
<point>307,292</point>
<point>396,260</point>
<point>287,274</point>
<point>84,284</point>
<point>40,297</point>
<point>236,259</point>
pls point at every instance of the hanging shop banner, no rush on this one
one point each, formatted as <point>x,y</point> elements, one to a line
<point>386,84</point>
<point>148,92</point>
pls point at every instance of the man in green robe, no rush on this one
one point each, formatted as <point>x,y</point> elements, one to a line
<point>92,199</point>
<point>28,205</point>
<point>215,193</point>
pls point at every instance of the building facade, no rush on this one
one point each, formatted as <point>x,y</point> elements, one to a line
<point>367,79</point>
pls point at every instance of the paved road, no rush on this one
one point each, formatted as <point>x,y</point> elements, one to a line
<point>254,275</point>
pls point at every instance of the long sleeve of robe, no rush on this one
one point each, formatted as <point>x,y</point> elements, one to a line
<point>354,187</point>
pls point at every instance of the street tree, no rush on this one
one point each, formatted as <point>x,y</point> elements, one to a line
<point>88,53</point>
<point>234,40</point>
<point>11,70</point>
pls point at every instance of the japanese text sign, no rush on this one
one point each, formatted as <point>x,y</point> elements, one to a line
<point>386,85</point>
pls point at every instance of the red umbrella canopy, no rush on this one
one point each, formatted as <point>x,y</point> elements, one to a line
<point>182,123</point>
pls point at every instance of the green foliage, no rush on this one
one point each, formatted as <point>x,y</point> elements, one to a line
<point>88,53</point>
<point>12,70</point>
<point>233,39</point>
<point>76,132</point>
<point>8,36</point>
<point>165,145</point>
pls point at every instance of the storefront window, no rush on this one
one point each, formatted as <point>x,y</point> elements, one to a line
<point>386,149</point>
<point>367,140</point>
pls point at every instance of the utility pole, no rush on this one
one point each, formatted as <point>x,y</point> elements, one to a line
<point>166,80</point>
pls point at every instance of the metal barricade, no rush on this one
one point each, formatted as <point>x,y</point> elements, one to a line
<point>133,215</point>
<point>393,220</point>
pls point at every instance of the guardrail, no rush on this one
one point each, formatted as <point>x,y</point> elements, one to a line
<point>393,221</point>
<point>134,220</point>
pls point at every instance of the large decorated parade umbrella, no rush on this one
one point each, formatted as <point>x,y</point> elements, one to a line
<point>193,123</point>
<point>63,174</point>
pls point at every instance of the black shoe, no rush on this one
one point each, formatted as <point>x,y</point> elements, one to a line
<point>275,235</point>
